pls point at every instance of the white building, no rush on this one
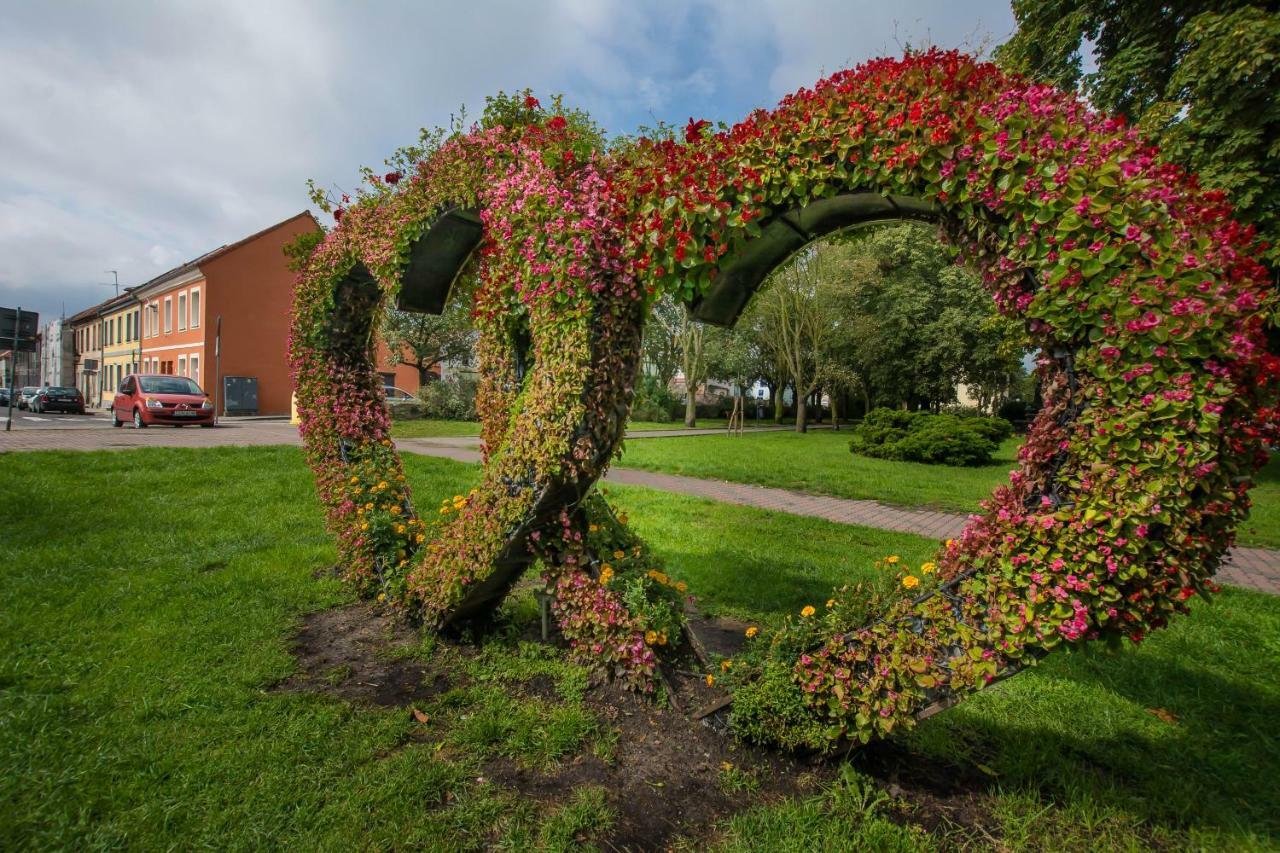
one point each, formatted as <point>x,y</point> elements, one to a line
<point>57,355</point>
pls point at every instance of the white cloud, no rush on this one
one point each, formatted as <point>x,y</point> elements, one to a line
<point>138,135</point>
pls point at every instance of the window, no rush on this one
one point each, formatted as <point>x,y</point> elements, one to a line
<point>153,322</point>
<point>182,360</point>
<point>195,308</point>
<point>137,324</point>
<point>195,368</point>
<point>182,311</point>
<point>168,315</point>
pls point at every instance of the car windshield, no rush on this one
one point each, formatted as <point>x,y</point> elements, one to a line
<point>168,385</point>
<point>62,392</point>
<point>30,389</point>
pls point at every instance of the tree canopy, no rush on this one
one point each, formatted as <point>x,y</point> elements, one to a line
<point>1199,76</point>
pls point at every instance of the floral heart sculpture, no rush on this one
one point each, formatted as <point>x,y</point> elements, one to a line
<point>1142,293</point>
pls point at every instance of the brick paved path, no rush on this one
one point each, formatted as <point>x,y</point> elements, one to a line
<point>1255,568</point>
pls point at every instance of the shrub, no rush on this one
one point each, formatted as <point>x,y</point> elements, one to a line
<point>449,399</point>
<point>947,439</point>
<point>654,402</point>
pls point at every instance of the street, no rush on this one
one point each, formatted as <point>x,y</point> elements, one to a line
<point>56,420</point>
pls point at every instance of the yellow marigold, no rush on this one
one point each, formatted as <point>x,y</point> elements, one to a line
<point>808,611</point>
<point>606,575</point>
<point>892,559</point>
<point>831,602</point>
<point>355,479</point>
<point>382,596</point>
<point>651,637</point>
<point>382,484</point>
<point>662,638</point>
<point>681,586</point>
<point>457,498</point>
<point>593,528</point>
<point>928,568</point>
<point>911,581</point>
<point>661,578</point>
<point>619,555</point>
<point>726,665</point>
<point>395,510</point>
<point>364,525</point>
<point>399,528</point>
<point>950,542</point>
<point>622,519</point>
<point>421,537</point>
<point>752,631</point>
<point>711,680</point>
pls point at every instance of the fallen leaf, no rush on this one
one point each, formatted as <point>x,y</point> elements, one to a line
<point>419,716</point>
<point>1164,716</point>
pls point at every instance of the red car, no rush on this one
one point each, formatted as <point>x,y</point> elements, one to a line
<point>154,398</point>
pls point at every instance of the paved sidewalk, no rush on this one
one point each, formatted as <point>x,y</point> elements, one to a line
<point>1254,568</point>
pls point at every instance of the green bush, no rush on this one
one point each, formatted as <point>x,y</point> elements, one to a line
<point>449,399</point>
<point>655,403</point>
<point>947,439</point>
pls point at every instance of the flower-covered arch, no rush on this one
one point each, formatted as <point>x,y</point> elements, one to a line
<point>1140,290</point>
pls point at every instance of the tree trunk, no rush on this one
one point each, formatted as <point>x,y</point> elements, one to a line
<point>777,403</point>
<point>690,408</point>
<point>835,410</point>
<point>424,375</point>
<point>801,426</point>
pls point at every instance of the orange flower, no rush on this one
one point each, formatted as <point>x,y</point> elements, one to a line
<point>651,637</point>
<point>911,582</point>
<point>807,612</point>
<point>711,681</point>
<point>752,631</point>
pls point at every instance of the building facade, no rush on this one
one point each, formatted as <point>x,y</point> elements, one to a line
<point>57,354</point>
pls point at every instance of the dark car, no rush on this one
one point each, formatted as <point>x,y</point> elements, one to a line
<point>58,398</point>
<point>157,398</point>
<point>4,397</point>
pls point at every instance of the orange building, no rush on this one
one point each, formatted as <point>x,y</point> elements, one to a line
<point>221,319</point>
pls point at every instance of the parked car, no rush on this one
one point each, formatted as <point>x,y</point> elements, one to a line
<point>4,397</point>
<point>155,398</point>
<point>59,398</point>
<point>24,399</point>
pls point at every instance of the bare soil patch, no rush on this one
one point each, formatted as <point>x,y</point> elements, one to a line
<point>359,653</point>
<point>674,772</point>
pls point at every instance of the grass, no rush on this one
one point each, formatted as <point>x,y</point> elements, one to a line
<point>819,462</point>
<point>141,628</point>
<point>430,428</point>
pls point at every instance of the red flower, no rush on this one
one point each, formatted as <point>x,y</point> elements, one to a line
<point>531,103</point>
<point>693,130</point>
<point>557,123</point>
<point>337,214</point>
<point>392,178</point>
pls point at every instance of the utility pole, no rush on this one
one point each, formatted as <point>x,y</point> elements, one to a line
<point>116,276</point>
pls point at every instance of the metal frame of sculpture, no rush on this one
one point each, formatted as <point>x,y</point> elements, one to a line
<point>1142,293</point>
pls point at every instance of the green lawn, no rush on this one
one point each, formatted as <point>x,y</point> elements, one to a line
<point>820,462</point>
<point>428,428</point>
<point>142,627</point>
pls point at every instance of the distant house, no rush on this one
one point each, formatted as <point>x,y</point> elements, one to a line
<point>57,354</point>
<point>221,319</point>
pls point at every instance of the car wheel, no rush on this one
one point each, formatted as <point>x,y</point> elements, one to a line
<point>207,426</point>
<point>137,420</point>
<point>115,419</point>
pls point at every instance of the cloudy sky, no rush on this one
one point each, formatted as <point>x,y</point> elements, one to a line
<point>137,135</point>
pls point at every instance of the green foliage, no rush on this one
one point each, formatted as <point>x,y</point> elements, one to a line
<point>768,708</point>
<point>299,249</point>
<point>654,400</point>
<point>945,439</point>
<point>1200,77</point>
<point>425,341</point>
<point>452,399</point>
<point>916,325</point>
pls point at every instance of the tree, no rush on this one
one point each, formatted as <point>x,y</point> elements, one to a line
<point>661,342</point>
<point>798,321</point>
<point>915,324</point>
<point>701,347</point>
<point>1199,76</point>
<point>426,340</point>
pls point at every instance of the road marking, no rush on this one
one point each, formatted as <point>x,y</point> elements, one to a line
<point>34,418</point>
